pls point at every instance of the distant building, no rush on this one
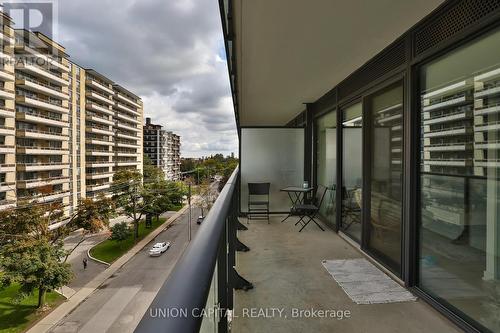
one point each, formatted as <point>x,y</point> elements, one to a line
<point>163,149</point>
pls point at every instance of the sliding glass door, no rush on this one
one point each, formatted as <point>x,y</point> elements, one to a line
<point>326,168</point>
<point>385,148</point>
<point>352,170</point>
<point>459,259</point>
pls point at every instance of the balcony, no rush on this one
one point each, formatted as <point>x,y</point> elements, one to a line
<point>98,175</point>
<point>47,58</point>
<point>6,149</point>
<point>42,135</point>
<point>34,183</point>
<point>41,166</point>
<point>7,113</point>
<point>286,270</point>
<point>99,130</point>
<point>6,76</point>
<point>124,107</point>
<point>100,152</point>
<point>6,94</point>
<point>7,167</point>
<point>99,164</point>
<point>42,104</point>
<point>127,118</point>
<point>7,186</point>
<point>39,118</point>
<point>39,150</point>
<point>99,119</point>
<point>98,187</point>
<point>6,130</point>
<point>127,163</point>
<point>40,87</point>
<point>98,85</point>
<point>127,99</point>
<point>97,107</point>
<point>127,136</point>
<point>96,141</point>
<point>6,39</point>
<point>100,97</point>
<point>127,127</point>
<point>127,145</point>
<point>127,154</point>
<point>42,72</point>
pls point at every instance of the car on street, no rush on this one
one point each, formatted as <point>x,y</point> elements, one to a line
<point>200,219</point>
<point>159,248</point>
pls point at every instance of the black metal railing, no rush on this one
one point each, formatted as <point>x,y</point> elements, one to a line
<point>199,290</point>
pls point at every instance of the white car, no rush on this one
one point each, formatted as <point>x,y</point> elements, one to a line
<point>159,248</point>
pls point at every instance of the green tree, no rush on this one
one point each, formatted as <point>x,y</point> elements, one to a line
<point>131,197</point>
<point>120,232</point>
<point>31,249</point>
<point>150,172</point>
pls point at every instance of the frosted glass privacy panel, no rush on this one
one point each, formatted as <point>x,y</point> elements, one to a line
<point>274,155</point>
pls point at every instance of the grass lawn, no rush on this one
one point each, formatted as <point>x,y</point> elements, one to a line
<point>18,315</point>
<point>110,250</point>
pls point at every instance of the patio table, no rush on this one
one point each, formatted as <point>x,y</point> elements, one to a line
<point>296,195</point>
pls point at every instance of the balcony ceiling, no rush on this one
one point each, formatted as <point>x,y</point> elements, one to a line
<point>294,51</point>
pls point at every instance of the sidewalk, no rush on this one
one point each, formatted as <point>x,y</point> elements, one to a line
<point>45,324</point>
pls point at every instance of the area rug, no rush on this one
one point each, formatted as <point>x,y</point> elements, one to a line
<point>364,283</point>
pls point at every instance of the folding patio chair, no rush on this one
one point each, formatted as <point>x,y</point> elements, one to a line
<point>310,211</point>
<point>258,201</point>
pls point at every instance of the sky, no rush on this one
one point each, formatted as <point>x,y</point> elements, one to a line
<point>169,52</point>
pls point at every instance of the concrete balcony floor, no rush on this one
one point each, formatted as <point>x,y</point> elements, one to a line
<point>286,271</point>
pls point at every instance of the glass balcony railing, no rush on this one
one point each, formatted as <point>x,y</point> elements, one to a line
<point>201,284</point>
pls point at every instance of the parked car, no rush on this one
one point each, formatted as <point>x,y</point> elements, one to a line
<point>200,219</point>
<point>158,249</point>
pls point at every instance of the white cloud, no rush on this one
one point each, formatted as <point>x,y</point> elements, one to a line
<point>168,52</point>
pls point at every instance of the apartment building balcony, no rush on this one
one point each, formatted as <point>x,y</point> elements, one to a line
<point>486,127</point>
<point>42,72</point>
<point>6,94</point>
<point>127,163</point>
<point>447,162</point>
<point>6,204</point>
<point>127,118</point>
<point>487,163</point>
<point>41,166</point>
<point>97,107</point>
<point>98,85</point>
<point>127,127</point>
<point>42,104</point>
<point>444,118</point>
<point>98,175</point>
<point>126,108</point>
<point>127,145</point>
<point>100,164</point>
<point>126,154</point>
<point>447,147</point>
<point>7,130</point>
<point>127,136</point>
<point>6,76</point>
<point>99,119</point>
<point>39,182</point>
<point>127,99</point>
<point>459,130</point>
<point>95,152</point>
<point>96,141</point>
<point>7,186</point>
<point>47,58</point>
<point>40,87</point>
<point>99,130</point>
<point>487,109</point>
<point>5,167</point>
<point>6,39</point>
<point>38,150</point>
<point>42,135</point>
<point>98,187</point>
<point>50,197</point>
<point>100,97</point>
<point>39,118</point>
<point>493,144</point>
<point>6,149</point>
<point>6,112</point>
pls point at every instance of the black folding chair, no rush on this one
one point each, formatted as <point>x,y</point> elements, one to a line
<point>310,211</point>
<point>258,201</point>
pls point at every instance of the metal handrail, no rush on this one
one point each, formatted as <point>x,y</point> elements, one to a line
<point>189,282</point>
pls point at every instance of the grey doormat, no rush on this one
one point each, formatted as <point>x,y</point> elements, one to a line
<point>364,283</point>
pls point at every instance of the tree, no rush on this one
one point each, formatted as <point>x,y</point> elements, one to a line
<point>131,197</point>
<point>150,172</point>
<point>31,252</point>
<point>120,232</point>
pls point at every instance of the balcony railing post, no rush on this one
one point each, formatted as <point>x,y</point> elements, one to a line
<point>222,279</point>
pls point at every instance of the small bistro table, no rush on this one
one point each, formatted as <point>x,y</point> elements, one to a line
<point>296,195</point>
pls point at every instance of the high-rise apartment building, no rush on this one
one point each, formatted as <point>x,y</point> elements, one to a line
<point>163,149</point>
<point>64,130</point>
<point>7,116</point>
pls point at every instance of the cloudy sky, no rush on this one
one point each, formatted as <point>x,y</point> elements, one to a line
<point>169,52</point>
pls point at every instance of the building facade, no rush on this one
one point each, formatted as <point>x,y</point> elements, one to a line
<point>64,130</point>
<point>163,149</point>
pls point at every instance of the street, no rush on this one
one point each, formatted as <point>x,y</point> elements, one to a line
<point>118,304</point>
